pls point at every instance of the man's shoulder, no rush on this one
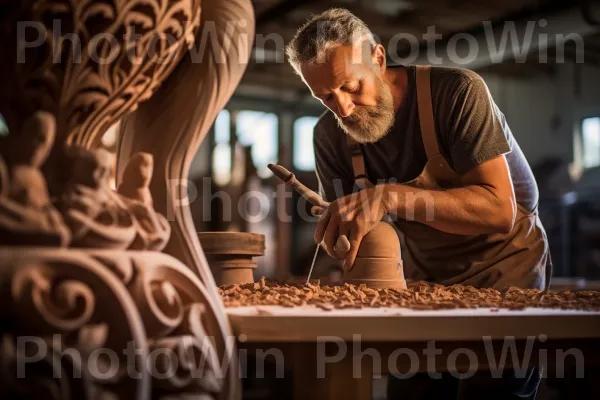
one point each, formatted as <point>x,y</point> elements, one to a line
<point>452,88</point>
<point>462,75</point>
<point>450,78</point>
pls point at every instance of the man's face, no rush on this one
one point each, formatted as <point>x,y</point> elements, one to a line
<point>352,87</point>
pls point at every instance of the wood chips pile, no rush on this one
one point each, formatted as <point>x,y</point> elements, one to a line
<point>418,296</point>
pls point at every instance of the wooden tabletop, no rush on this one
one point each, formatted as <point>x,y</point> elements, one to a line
<point>301,324</point>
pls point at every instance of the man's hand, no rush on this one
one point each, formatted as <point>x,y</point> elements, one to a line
<point>354,215</point>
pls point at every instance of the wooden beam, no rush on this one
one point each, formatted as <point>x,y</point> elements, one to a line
<point>561,23</point>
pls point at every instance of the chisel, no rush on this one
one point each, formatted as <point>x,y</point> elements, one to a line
<point>342,244</point>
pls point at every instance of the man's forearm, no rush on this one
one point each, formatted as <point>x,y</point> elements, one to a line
<point>470,210</point>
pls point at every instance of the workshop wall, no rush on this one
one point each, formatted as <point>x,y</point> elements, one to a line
<point>543,111</point>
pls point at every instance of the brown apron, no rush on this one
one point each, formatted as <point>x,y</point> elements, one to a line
<point>520,258</point>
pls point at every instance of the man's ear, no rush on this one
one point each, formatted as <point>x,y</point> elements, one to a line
<point>378,57</point>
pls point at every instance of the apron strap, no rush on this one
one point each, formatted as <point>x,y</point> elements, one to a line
<point>426,121</point>
<point>358,163</point>
<point>424,103</point>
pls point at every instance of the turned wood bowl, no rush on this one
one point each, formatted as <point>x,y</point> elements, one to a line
<point>230,255</point>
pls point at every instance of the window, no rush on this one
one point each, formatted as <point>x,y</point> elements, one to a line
<point>304,156</point>
<point>590,132</point>
<point>221,157</point>
<point>3,127</point>
<point>258,130</point>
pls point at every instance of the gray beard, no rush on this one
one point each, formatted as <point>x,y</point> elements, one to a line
<point>370,129</point>
<point>368,124</point>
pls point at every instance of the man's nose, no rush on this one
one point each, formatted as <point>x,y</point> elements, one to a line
<point>344,106</point>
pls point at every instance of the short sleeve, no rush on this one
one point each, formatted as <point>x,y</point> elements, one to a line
<point>477,131</point>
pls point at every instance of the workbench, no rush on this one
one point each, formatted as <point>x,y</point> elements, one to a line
<point>330,353</point>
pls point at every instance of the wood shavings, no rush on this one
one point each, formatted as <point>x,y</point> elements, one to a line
<point>418,296</point>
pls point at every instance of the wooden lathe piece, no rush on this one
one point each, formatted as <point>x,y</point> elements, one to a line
<point>230,255</point>
<point>378,263</point>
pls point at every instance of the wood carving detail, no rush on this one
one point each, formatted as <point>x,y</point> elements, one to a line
<point>60,300</point>
<point>186,106</point>
<point>96,215</point>
<point>72,301</point>
<point>98,60</point>
<point>27,216</point>
<point>80,263</point>
<point>42,382</point>
<point>153,229</point>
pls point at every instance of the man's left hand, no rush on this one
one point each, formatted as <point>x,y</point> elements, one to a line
<point>353,215</point>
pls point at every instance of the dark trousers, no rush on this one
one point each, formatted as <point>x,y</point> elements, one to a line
<point>480,386</point>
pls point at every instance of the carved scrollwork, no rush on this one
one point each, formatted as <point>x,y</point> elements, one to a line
<point>53,305</point>
<point>160,306</point>
<point>86,64</point>
<point>54,375</point>
<point>101,299</point>
<point>185,107</point>
<point>173,302</point>
<point>96,61</point>
<point>54,302</point>
<point>184,362</point>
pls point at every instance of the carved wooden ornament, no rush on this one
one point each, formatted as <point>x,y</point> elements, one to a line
<point>81,266</point>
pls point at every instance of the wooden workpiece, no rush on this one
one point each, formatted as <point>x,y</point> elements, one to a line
<point>230,255</point>
<point>378,262</point>
<point>346,338</point>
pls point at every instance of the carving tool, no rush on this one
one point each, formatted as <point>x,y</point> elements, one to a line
<point>290,179</point>
<point>313,263</point>
<point>342,244</point>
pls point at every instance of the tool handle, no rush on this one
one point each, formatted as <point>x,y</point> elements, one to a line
<point>342,245</point>
<point>290,179</point>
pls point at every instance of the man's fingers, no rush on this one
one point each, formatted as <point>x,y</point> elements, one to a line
<point>342,245</point>
<point>322,225</point>
<point>317,210</point>
<point>331,235</point>
<point>355,238</point>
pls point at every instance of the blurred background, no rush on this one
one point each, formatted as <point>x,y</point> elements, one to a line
<point>547,83</point>
<point>539,58</point>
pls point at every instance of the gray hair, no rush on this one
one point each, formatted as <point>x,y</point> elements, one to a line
<point>318,36</point>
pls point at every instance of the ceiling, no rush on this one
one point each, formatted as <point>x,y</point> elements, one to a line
<point>278,20</point>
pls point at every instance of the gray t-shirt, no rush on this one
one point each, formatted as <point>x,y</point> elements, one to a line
<point>470,130</point>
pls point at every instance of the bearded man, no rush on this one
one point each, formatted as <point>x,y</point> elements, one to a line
<point>431,150</point>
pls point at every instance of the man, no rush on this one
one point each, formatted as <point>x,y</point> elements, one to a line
<point>433,153</point>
